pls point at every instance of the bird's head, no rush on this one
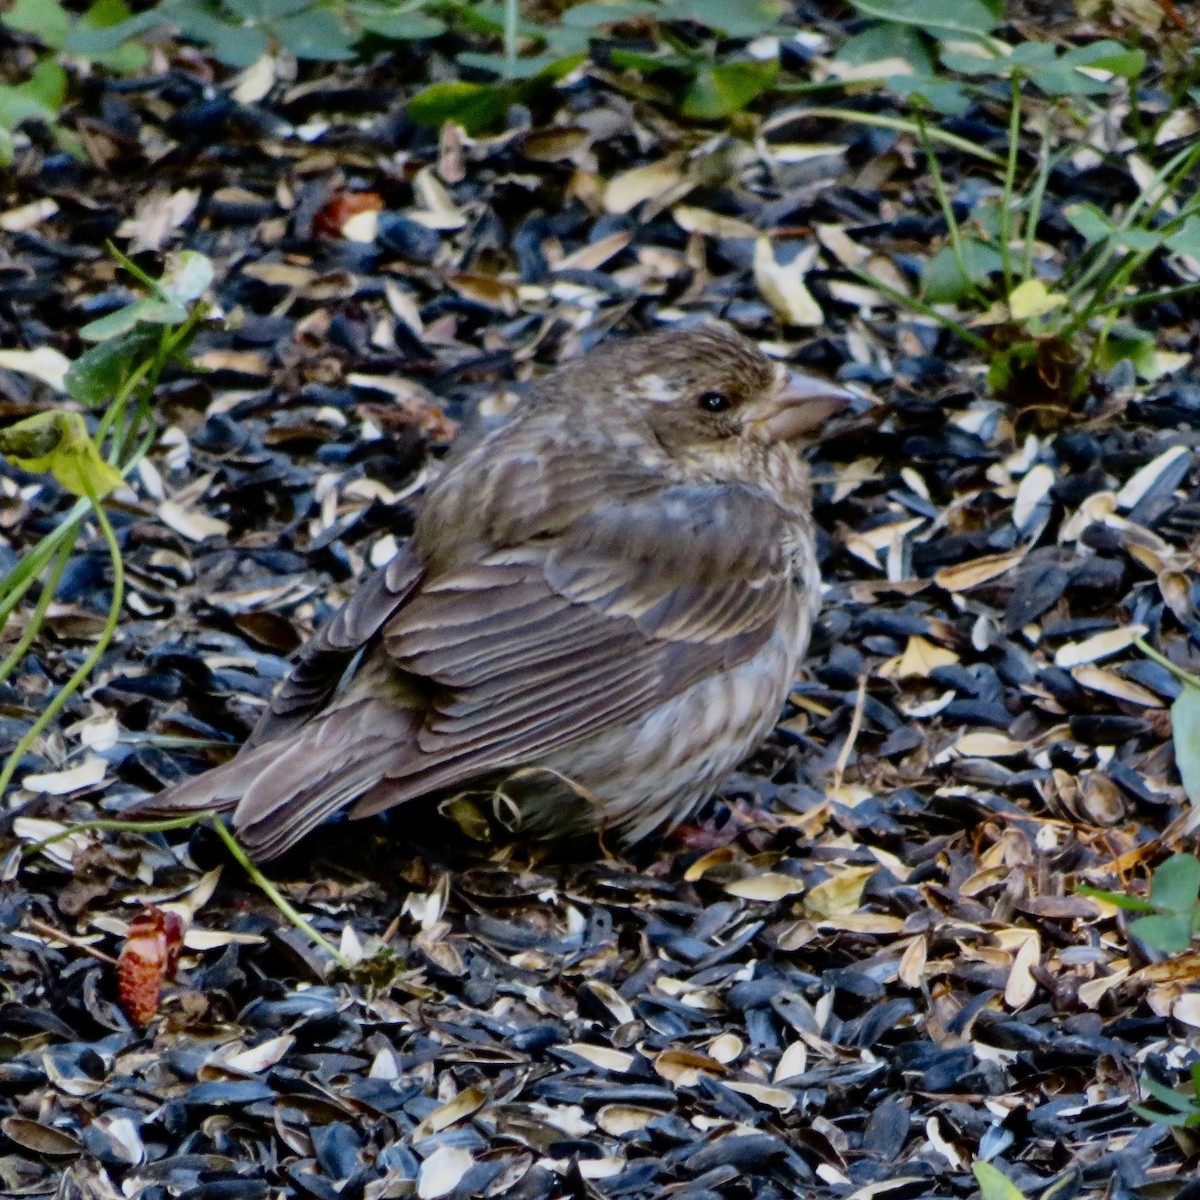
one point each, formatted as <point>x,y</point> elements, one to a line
<point>720,406</point>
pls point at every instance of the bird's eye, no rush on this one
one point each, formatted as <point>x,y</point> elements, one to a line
<point>714,402</point>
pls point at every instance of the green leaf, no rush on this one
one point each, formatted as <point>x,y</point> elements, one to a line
<point>1185,734</point>
<point>1169,932</point>
<point>1174,1120</point>
<point>1089,221</point>
<point>58,442</point>
<point>596,16</point>
<point>527,67</point>
<point>1168,1096</point>
<point>316,35</point>
<point>45,19</point>
<point>396,25</point>
<point>39,97</point>
<point>728,88</point>
<point>104,34</point>
<point>885,40</point>
<point>1186,239</point>
<point>94,377</point>
<point>186,276</point>
<point>475,106</point>
<point>943,283</point>
<point>942,95</point>
<point>993,1184</point>
<point>1176,884</point>
<point>934,16</point>
<point>1108,55</point>
<point>734,18</point>
<point>266,12</point>
<point>649,64</point>
<point>151,311</point>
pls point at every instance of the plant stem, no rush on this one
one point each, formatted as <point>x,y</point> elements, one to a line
<point>1149,298</point>
<point>1010,178</point>
<point>901,125</point>
<point>276,896</point>
<point>1162,660</point>
<point>511,14</point>
<point>34,625</point>
<point>914,305</point>
<point>952,226</point>
<point>1036,197</point>
<point>85,668</point>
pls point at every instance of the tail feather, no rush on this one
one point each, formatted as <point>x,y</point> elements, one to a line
<point>280,790</point>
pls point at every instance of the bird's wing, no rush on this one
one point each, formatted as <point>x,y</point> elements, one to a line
<point>535,645</point>
<point>326,657</point>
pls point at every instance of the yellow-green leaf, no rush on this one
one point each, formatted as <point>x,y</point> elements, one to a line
<point>1032,299</point>
<point>994,1185</point>
<point>58,442</point>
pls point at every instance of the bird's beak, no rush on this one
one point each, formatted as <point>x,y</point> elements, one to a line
<point>802,405</point>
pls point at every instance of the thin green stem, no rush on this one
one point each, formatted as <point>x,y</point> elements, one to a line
<point>115,825</point>
<point>276,896</point>
<point>34,625</point>
<point>901,125</point>
<point>1010,178</point>
<point>914,305</point>
<point>952,226</point>
<point>511,16</point>
<point>85,668</point>
<point>1036,196</point>
<point>1163,661</point>
<point>1148,298</point>
<point>23,575</point>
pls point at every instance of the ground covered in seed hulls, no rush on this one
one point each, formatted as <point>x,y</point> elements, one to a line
<point>867,966</point>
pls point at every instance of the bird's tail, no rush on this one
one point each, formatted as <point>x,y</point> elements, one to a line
<point>280,790</point>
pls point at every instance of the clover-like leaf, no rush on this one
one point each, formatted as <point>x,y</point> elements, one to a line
<point>58,442</point>
<point>727,88</point>
<point>1176,884</point>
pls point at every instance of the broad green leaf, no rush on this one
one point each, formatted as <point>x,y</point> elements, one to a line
<point>1089,221</point>
<point>475,106</point>
<point>596,16</point>
<point>736,18</point>
<point>1108,55</point>
<point>1139,239</point>
<point>106,34</point>
<point>186,276</point>
<point>266,12</point>
<point>1168,1096</point>
<point>941,280</point>
<point>58,442</point>
<point>151,311</point>
<point>1169,932</point>
<point>648,64</point>
<point>942,95</point>
<point>94,377</point>
<point>1033,299</point>
<point>1186,239</point>
<point>45,19</point>
<point>887,40</point>
<point>1185,735</point>
<point>980,59</point>
<point>527,67</point>
<point>935,16</point>
<point>315,34</point>
<point>396,26</point>
<point>723,90</point>
<point>39,97</point>
<point>993,1184</point>
<point>1176,884</point>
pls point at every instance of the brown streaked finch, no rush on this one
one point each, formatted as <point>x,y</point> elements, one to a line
<point>599,614</point>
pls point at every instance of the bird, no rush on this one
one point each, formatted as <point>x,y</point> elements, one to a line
<point>600,612</point>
